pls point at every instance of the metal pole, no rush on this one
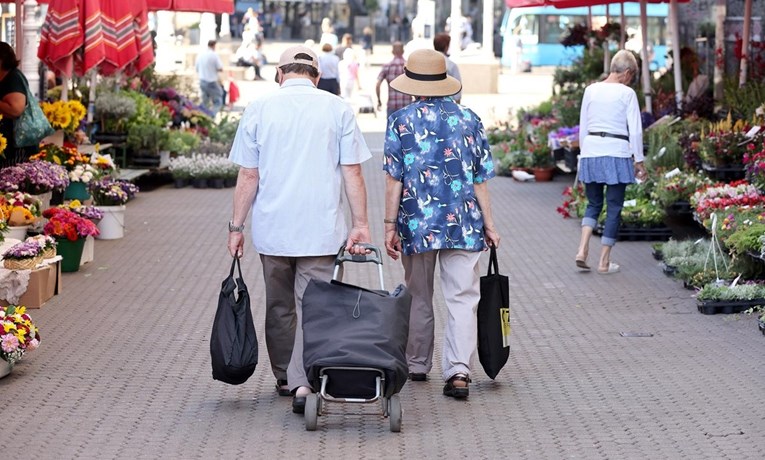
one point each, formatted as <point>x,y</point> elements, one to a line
<point>745,35</point>
<point>488,27</point>
<point>676,64</point>
<point>623,32</point>
<point>29,62</point>
<point>644,55</point>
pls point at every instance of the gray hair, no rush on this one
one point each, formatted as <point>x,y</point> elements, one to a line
<point>623,61</point>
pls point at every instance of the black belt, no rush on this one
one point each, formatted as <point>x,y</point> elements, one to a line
<point>616,136</point>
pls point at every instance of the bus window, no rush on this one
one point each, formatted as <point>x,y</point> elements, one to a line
<point>555,26</point>
<point>527,27</point>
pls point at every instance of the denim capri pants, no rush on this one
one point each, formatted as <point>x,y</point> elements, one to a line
<point>605,179</point>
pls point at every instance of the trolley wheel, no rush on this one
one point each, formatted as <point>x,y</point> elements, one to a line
<point>311,411</point>
<point>394,412</point>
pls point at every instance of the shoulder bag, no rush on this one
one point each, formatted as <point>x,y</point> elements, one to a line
<point>32,126</point>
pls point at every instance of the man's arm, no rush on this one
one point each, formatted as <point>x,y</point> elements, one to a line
<point>484,201</point>
<point>377,92</point>
<point>244,196</point>
<point>393,189</point>
<point>356,193</point>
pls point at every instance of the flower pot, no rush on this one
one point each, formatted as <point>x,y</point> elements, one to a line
<point>71,253</point>
<point>112,226</point>
<point>180,183</point>
<point>88,250</point>
<point>199,183</point>
<point>28,263</point>
<point>216,183</point>
<point>229,182</point>
<point>76,191</point>
<point>543,174</point>
<point>18,232</point>
<point>5,368</point>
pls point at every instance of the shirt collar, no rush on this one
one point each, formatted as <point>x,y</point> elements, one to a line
<point>302,81</point>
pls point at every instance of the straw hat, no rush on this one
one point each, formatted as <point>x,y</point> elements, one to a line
<point>425,75</point>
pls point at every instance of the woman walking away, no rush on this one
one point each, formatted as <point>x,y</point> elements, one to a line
<point>611,139</point>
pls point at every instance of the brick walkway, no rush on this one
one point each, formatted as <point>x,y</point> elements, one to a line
<point>124,367</point>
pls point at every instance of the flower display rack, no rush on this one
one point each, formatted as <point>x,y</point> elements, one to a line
<point>680,208</point>
<point>715,307</point>
<point>724,173</point>
<point>629,233</point>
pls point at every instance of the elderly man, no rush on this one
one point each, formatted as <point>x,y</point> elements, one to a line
<point>299,148</point>
<point>437,208</point>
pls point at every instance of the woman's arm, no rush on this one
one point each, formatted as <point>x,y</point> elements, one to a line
<point>13,104</point>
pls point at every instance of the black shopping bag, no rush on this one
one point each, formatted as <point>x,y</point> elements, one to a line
<point>233,343</point>
<point>494,319</point>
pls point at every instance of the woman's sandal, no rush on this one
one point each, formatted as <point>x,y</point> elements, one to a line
<point>460,391</point>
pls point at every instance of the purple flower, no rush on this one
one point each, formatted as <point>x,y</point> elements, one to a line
<point>23,250</point>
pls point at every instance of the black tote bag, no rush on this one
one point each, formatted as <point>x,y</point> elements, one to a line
<point>494,319</point>
<point>233,343</point>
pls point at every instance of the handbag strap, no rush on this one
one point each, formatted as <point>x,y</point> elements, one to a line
<point>26,87</point>
<point>235,263</point>
<point>493,261</point>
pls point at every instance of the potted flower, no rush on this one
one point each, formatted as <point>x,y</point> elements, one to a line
<point>110,196</point>
<point>70,231</point>
<point>18,335</point>
<point>231,172</point>
<point>91,213</point>
<point>46,243</point>
<point>180,168</point>
<point>21,210</point>
<point>65,116</point>
<point>541,161</point>
<point>23,256</point>
<point>113,109</point>
<point>40,178</point>
<point>713,298</point>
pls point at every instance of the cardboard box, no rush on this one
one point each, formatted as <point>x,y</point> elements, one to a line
<point>44,283</point>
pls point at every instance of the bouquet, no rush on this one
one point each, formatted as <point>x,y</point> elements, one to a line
<point>68,157</point>
<point>17,333</point>
<point>64,115</point>
<point>110,192</point>
<point>91,213</point>
<point>63,223</point>
<point>20,208</point>
<point>103,163</point>
<point>83,173</point>
<point>35,177</point>
<point>47,245</point>
<point>23,256</point>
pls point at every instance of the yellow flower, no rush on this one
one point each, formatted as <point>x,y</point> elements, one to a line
<point>63,117</point>
<point>3,145</point>
<point>20,310</point>
<point>8,326</point>
<point>74,204</point>
<point>77,110</point>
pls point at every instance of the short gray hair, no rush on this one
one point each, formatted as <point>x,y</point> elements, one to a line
<point>623,61</point>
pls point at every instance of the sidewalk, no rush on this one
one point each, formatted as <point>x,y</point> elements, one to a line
<point>124,372</point>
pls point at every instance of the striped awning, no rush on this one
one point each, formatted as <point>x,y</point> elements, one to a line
<point>199,6</point>
<point>71,38</point>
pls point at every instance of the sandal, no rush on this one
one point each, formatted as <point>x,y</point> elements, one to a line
<point>282,389</point>
<point>457,391</point>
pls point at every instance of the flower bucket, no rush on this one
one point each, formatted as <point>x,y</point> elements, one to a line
<point>112,226</point>
<point>76,191</point>
<point>17,233</point>
<point>44,199</point>
<point>71,253</point>
<point>5,368</point>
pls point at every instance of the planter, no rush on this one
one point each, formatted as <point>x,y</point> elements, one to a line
<point>724,173</point>
<point>71,253</point>
<point>5,368</point>
<point>76,191</point>
<point>216,183</point>
<point>229,182</point>
<point>164,158</point>
<point>680,208</point>
<point>543,174</point>
<point>112,226</point>
<point>714,307</point>
<point>22,264</point>
<point>761,325</point>
<point>18,232</point>
<point>110,138</point>
<point>628,232</point>
<point>657,254</point>
<point>88,251</point>
<point>199,183</point>
<point>180,183</point>
<point>669,270</point>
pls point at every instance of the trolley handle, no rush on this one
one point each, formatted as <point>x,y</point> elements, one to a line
<point>373,256</point>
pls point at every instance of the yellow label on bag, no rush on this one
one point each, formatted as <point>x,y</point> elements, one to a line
<point>504,318</point>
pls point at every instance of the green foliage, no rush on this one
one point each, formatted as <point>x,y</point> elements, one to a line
<point>746,239</point>
<point>147,111</point>
<point>743,101</point>
<point>732,293</point>
<point>148,137</point>
<point>567,106</point>
<point>225,130</point>
<point>666,137</point>
<point>114,109</point>
<point>645,213</point>
<point>182,142</point>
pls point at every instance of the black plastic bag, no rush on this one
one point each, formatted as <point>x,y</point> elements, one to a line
<point>494,319</point>
<point>233,343</point>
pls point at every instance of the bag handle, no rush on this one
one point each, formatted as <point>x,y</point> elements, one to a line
<point>235,263</point>
<point>26,88</point>
<point>493,261</point>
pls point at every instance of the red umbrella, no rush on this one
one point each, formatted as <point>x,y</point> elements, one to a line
<point>199,6</point>
<point>71,39</point>
<point>127,39</point>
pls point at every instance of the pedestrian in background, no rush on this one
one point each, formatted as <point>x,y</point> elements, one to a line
<point>208,66</point>
<point>388,73</point>
<point>438,209</point>
<point>349,74</point>
<point>610,140</point>
<point>330,71</point>
<point>295,136</point>
<point>441,44</point>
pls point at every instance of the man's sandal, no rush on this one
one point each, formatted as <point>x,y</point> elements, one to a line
<point>459,391</point>
<point>282,389</point>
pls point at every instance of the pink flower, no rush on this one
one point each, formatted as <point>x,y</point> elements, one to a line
<point>33,344</point>
<point>10,343</point>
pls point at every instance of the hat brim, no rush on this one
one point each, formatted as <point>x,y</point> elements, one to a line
<point>448,87</point>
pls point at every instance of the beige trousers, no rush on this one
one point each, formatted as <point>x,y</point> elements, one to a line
<point>286,279</point>
<point>460,284</point>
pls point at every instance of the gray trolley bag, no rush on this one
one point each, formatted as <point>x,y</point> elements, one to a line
<point>354,342</point>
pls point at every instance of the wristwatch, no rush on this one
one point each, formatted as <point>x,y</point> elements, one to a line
<point>232,228</point>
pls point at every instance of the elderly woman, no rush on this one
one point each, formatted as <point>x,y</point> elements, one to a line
<point>610,139</point>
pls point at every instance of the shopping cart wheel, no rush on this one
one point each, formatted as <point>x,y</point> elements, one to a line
<point>311,411</point>
<point>394,412</point>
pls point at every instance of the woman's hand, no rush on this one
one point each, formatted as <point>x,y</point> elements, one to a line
<point>640,172</point>
<point>392,241</point>
<point>491,236</point>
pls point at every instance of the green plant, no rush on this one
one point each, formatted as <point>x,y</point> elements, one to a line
<point>148,137</point>
<point>225,130</point>
<point>744,100</point>
<point>664,148</point>
<point>713,292</point>
<point>182,142</point>
<point>746,239</point>
<point>678,187</point>
<point>567,106</point>
<point>114,109</point>
<point>644,213</point>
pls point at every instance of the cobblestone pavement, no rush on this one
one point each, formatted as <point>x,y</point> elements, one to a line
<point>124,368</point>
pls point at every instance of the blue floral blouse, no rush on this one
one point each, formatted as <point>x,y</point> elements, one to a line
<point>438,149</point>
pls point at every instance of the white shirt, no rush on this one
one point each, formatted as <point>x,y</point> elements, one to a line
<point>298,137</point>
<point>208,65</point>
<point>610,108</point>
<point>328,65</point>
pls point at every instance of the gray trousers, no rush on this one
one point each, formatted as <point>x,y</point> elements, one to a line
<point>460,284</point>
<point>286,279</point>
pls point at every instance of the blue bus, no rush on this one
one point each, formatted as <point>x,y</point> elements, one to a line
<point>536,32</point>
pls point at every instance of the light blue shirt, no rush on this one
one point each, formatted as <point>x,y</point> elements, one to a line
<point>208,65</point>
<point>298,137</point>
<point>329,65</point>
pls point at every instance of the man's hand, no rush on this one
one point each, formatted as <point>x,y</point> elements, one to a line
<point>355,236</point>
<point>236,244</point>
